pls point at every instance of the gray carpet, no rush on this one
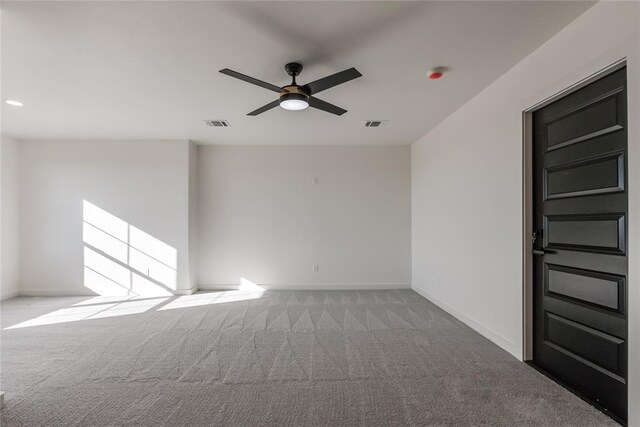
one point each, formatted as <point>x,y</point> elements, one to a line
<point>374,358</point>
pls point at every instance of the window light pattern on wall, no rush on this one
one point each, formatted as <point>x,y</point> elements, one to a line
<point>122,260</point>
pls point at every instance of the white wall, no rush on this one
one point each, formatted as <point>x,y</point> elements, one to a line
<point>262,217</point>
<point>229,212</point>
<point>143,183</point>
<point>467,183</point>
<point>9,217</point>
<point>193,216</point>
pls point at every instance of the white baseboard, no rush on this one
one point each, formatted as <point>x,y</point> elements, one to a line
<point>7,295</point>
<point>501,342</point>
<point>54,293</point>
<point>313,286</point>
<point>186,291</point>
<point>228,287</point>
<point>76,293</point>
<point>218,287</point>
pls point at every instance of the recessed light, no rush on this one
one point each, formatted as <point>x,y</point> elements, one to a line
<point>13,102</point>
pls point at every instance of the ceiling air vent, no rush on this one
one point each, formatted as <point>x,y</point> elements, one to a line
<point>374,123</point>
<point>217,123</point>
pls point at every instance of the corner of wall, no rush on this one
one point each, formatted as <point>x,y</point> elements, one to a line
<point>9,217</point>
<point>193,215</point>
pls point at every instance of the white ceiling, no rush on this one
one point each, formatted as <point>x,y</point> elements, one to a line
<point>146,70</point>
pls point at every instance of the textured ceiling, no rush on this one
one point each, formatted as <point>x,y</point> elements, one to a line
<point>146,70</point>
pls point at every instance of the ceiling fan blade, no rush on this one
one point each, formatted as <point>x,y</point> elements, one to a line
<point>331,81</point>
<point>325,106</point>
<point>264,108</point>
<point>251,80</point>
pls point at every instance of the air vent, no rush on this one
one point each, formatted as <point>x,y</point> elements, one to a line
<point>374,123</point>
<point>217,123</point>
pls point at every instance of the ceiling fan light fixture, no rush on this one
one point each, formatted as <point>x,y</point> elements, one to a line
<point>296,97</point>
<point>294,101</point>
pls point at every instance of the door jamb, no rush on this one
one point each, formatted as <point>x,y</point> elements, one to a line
<point>527,200</point>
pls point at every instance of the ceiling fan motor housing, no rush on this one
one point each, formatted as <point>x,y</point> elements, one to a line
<point>294,98</point>
<point>289,96</point>
<point>295,91</point>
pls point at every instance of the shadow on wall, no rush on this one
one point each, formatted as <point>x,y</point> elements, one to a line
<point>122,260</point>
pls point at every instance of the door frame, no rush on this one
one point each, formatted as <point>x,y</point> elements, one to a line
<point>527,200</point>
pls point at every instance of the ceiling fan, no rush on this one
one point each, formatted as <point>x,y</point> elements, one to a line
<point>296,97</point>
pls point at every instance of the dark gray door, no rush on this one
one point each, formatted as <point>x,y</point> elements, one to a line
<point>580,247</point>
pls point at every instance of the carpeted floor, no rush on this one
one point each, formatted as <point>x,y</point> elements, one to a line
<point>375,358</point>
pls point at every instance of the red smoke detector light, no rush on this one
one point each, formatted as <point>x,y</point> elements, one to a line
<point>435,74</point>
